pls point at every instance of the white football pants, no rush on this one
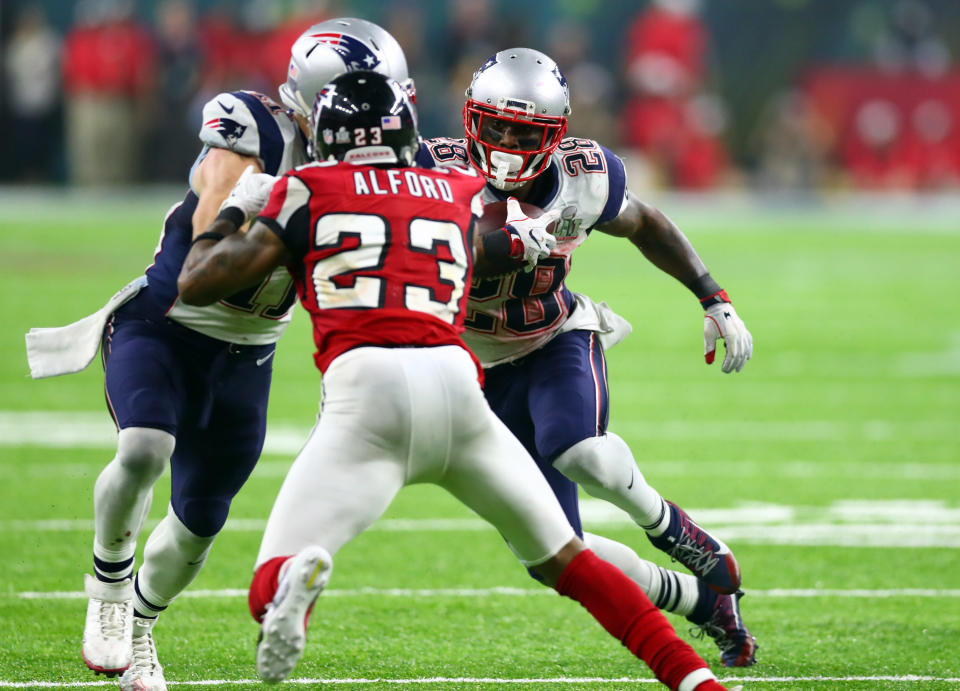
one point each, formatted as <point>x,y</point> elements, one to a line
<point>397,416</point>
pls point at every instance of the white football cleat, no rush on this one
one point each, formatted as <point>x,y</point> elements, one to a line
<point>109,625</point>
<point>145,672</point>
<point>283,632</point>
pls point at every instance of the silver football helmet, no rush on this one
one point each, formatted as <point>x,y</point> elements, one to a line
<point>515,116</point>
<point>336,46</point>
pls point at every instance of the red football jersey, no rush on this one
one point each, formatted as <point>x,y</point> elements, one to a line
<point>381,256</point>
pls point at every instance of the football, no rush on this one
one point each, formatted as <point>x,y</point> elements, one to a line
<point>493,219</point>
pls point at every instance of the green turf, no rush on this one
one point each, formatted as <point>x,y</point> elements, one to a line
<point>853,394</point>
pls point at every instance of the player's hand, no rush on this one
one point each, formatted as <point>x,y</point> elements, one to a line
<point>721,321</point>
<point>535,242</point>
<point>251,193</point>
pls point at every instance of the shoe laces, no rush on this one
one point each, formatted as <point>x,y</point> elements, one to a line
<point>726,637</point>
<point>144,654</point>
<point>720,635</point>
<point>112,617</point>
<point>699,559</point>
<point>692,549</point>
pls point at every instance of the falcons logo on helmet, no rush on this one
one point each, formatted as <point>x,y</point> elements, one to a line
<point>230,130</point>
<point>356,54</point>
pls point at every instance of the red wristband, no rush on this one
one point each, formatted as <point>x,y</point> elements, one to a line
<point>715,299</point>
<point>516,244</point>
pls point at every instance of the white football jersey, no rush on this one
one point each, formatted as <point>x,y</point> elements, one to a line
<point>250,124</point>
<point>510,316</point>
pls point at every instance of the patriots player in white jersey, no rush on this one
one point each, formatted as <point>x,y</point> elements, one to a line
<point>188,385</point>
<point>542,345</point>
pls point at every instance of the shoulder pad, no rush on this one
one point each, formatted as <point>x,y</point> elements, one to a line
<point>242,121</point>
<point>229,124</point>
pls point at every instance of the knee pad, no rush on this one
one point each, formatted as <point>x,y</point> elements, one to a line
<point>599,463</point>
<point>143,451</point>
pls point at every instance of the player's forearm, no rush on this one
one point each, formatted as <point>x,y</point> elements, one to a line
<point>213,179</point>
<point>207,208</point>
<point>667,248</point>
<point>206,275</point>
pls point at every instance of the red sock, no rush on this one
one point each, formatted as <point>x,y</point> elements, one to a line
<point>626,613</point>
<point>264,586</point>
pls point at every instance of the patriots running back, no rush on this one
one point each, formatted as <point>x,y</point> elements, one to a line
<point>542,346</point>
<point>510,316</point>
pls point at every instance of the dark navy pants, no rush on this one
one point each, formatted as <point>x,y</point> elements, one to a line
<point>209,394</point>
<point>551,399</point>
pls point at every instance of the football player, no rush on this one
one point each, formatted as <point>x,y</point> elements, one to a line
<point>188,385</point>
<point>542,346</point>
<point>381,254</point>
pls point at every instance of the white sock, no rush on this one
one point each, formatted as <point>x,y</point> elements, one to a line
<point>172,558</point>
<point>124,490</point>
<point>668,590</point>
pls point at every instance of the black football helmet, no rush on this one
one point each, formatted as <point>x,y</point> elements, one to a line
<point>364,118</point>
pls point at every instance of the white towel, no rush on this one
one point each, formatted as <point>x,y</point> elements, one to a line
<point>68,349</point>
<point>598,317</point>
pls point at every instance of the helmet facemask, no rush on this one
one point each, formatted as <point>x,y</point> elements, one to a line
<point>533,138</point>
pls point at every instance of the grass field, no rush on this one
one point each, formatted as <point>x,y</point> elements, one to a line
<point>831,465</point>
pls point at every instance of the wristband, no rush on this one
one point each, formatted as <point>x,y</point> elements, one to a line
<point>707,291</point>
<point>703,286</point>
<point>497,245</point>
<point>516,244</point>
<point>715,299</point>
<point>233,214</point>
<point>208,235</point>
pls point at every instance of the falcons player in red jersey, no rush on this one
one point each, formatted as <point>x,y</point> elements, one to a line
<point>381,253</point>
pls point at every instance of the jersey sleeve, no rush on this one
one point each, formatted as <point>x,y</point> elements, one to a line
<point>242,122</point>
<point>617,186</point>
<point>287,214</point>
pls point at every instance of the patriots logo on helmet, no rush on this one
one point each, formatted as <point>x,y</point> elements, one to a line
<point>491,61</point>
<point>559,75</point>
<point>355,53</point>
<point>230,130</point>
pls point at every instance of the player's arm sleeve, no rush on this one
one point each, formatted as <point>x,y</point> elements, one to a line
<point>616,187</point>
<point>287,214</point>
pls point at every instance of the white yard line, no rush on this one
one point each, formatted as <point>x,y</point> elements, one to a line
<point>873,535</point>
<point>894,523</point>
<point>907,678</point>
<point>653,468</point>
<point>94,430</point>
<point>507,591</point>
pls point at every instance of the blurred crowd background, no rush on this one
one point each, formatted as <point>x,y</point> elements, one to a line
<point>806,95</point>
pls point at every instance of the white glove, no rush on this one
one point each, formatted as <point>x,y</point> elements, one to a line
<point>721,321</point>
<point>532,232</point>
<point>251,193</point>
